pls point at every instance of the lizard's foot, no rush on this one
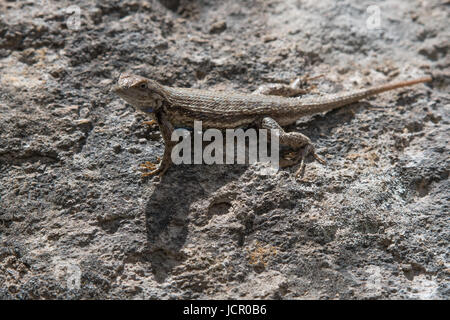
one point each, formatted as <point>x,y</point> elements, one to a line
<point>303,81</point>
<point>295,157</point>
<point>149,123</point>
<point>302,85</point>
<point>297,87</point>
<point>309,149</point>
<point>154,168</point>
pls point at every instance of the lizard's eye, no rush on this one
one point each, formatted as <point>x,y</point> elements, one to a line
<point>143,85</point>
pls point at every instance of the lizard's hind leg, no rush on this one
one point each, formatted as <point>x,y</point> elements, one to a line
<point>297,87</point>
<point>296,141</point>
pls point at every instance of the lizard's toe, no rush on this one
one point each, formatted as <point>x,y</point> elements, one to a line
<point>148,165</point>
<point>149,123</point>
<point>154,168</point>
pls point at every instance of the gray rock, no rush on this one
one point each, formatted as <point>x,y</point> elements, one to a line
<point>77,221</point>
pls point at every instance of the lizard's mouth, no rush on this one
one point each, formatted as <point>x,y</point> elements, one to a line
<point>125,95</point>
<point>137,103</point>
<point>120,91</point>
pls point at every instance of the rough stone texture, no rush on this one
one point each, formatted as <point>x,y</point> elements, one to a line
<point>77,220</point>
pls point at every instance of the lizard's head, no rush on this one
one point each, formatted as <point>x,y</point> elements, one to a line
<point>145,94</point>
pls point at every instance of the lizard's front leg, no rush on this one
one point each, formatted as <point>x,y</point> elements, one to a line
<point>166,129</point>
<point>294,140</point>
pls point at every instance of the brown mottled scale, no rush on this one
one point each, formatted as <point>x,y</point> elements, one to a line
<point>220,109</point>
<point>180,107</point>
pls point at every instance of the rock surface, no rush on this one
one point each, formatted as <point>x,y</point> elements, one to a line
<point>77,221</point>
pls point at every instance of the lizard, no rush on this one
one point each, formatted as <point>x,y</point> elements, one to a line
<point>270,107</point>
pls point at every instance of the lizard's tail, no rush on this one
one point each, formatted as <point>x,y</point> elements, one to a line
<point>333,101</point>
<point>392,86</point>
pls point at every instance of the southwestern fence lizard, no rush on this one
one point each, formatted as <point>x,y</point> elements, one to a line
<point>270,108</point>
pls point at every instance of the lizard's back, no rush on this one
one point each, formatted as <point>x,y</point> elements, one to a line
<point>222,109</point>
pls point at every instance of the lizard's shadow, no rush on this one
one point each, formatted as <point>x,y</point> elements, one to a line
<point>315,125</point>
<point>167,210</point>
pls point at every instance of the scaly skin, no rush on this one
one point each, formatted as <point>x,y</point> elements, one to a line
<point>180,107</point>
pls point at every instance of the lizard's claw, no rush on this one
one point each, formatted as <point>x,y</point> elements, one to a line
<point>154,168</point>
<point>151,173</point>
